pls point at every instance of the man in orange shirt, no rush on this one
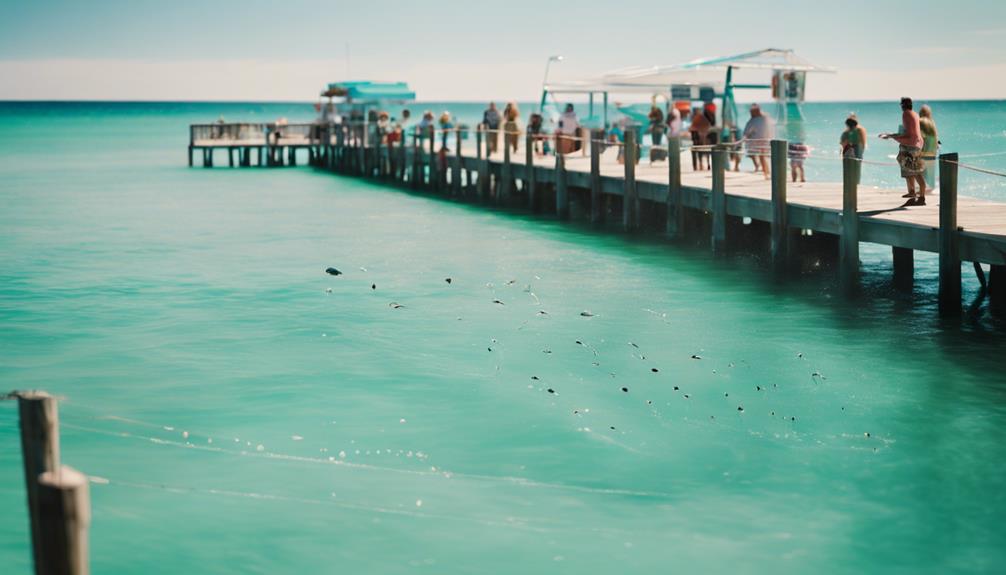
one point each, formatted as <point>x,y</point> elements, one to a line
<point>910,154</point>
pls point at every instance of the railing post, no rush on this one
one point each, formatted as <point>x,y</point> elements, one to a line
<point>456,172</point>
<point>949,239</point>
<point>64,517</point>
<point>483,164</point>
<point>675,207</point>
<point>561,192</point>
<point>630,198</point>
<point>530,178</point>
<point>596,201</point>
<point>434,178</point>
<point>39,422</point>
<point>848,252</point>
<point>506,181</point>
<point>780,210</point>
<point>719,198</point>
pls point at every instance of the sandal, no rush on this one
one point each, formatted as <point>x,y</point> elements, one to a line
<point>909,195</point>
<point>920,201</point>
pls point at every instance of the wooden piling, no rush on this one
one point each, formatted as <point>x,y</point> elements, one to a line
<point>483,163</point>
<point>596,200</point>
<point>848,251</point>
<point>997,289</point>
<point>434,178</point>
<point>949,239</point>
<point>530,177</point>
<point>630,197</point>
<point>561,191</point>
<point>456,172</point>
<point>904,267</point>
<point>192,141</point>
<point>719,199</point>
<point>230,156</point>
<point>39,422</point>
<point>675,206</point>
<point>64,509</point>
<point>506,179</point>
<point>780,211</point>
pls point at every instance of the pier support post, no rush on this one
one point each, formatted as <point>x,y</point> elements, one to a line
<point>719,199</point>
<point>483,164</point>
<point>848,251</point>
<point>456,172</point>
<point>378,153</point>
<point>675,205</point>
<point>530,178</point>
<point>230,157</point>
<point>434,181</point>
<point>780,210</point>
<point>190,156</point>
<point>64,509</point>
<point>506,181</point>
<point>997,289</point>
<point>561,192</point>
<point>596,201</point>
<point>630,198</point>
<point>949,239</point>
<point>904,267</point>
<point>417,159</point>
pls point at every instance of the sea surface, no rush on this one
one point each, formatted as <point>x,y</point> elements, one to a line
<point>570,401</point>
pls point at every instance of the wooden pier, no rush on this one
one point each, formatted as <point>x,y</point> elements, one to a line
<point>667,195</point>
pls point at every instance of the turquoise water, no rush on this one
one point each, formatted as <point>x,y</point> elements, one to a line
<point>240,418</point>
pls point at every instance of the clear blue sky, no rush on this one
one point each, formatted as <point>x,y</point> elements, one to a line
<point>451,49</point>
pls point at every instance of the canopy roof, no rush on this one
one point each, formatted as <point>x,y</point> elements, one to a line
<point>709,72</point>
<point>371,91</point>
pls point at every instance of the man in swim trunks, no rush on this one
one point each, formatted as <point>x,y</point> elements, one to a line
<point>910,154</point>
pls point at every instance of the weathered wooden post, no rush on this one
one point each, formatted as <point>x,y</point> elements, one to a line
<point>39,420</point>
<point>483,164</point>
<point>718,198</point>
<point>904,267</point>
<point>780,210</point>
<point>506,179</point>
<point>434,181</point>
<point>192,141</point>
<point>675,206</point>
<point>530,177</point>
<point>997,288</point>
<point>561,192</point>
<point>596,200</point>
<point>456,172</point>
<point>630,197</point>
<point>340,147</point>
<point>417,158</point>
<point>377,153</point>
<point>848,251</point>
<point>64,512</point>
<point>949,239</point>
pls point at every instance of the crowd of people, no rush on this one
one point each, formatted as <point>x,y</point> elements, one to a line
<point>917,138</point>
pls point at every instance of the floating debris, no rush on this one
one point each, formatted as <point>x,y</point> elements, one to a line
<point>296,438</point>
<point>542,312</point>
<point>740,408</point>
<point>373,286</point>
<point>633,345</point>
<point>550,390</point>
<point>694,356</point>
<point>333,272</point>
<point>328,290</point>
<point>448,280</point>
<point>625,389</point>
<point>496,301</point>
<point>654,370</point>
<point>534,377</point>
<point>395,305</point>
<point>586,313</point>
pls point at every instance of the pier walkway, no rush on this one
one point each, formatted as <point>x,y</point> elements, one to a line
<point>667,194</point>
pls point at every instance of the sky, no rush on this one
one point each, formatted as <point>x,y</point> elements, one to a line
<point>450,50</point>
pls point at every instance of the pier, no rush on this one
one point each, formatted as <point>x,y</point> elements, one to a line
<point>730,208</point>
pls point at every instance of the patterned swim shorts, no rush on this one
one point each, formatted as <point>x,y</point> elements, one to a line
<point>910,160</point>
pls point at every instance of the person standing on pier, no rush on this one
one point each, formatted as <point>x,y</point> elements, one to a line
<point>930,144</point>
<point>909,140</point>
<point>853,140</point>
<point>511,129</point>
<point>699,129</point>
<point>656,130</point>
<point>491,121</point>
<point>569,126</point>
<point>758,132</point>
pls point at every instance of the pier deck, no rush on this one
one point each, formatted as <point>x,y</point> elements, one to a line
<point>959,229</point>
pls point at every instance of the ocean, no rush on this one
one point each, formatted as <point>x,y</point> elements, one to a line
<point>240,411</point>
